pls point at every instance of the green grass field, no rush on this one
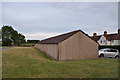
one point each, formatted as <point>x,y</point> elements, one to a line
<point>28,62</point>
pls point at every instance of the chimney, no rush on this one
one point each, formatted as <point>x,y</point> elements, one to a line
<point>94,34</point>
<point>118,31</point>
<point>105,33</point>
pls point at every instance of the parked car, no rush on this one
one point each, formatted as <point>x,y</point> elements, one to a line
<point>109,52</point>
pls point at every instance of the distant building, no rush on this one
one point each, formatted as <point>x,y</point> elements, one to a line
<point>107,39</point>
<point>74,45</point>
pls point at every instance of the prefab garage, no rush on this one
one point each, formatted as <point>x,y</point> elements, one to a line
<point>75,45</point>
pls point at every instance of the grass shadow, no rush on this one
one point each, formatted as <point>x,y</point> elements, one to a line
<point>43,54</point>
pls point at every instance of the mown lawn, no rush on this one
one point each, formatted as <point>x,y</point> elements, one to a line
<point>28,62</point>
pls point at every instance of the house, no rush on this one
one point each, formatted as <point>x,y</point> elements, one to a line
<point>107,39</point>
<point>74,45</point>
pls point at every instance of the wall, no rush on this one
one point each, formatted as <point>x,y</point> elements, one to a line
<point>108,42</point>
<point>115,42</point>
<point>77,47</point>
<point>118,42</point>
<point>50,49</point>
<point>103,41</point>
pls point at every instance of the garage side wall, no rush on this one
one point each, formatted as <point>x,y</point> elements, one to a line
<point>89,47</point>
<point>77,47</point>
<point>49,49</point>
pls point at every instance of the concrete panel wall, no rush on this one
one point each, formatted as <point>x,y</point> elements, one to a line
<point>89,47</point>
<point>77,47</point>
<point>50,49</point>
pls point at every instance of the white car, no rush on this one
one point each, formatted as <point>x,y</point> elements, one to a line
<point>108,52</point>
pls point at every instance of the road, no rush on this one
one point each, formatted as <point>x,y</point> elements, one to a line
<point>2,48</point>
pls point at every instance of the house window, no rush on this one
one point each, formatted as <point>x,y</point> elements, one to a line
<point>104,41</point>
<point>101,41</point>
<point>112,41</point>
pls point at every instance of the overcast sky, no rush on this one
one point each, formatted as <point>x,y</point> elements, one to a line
<point>40,20</point>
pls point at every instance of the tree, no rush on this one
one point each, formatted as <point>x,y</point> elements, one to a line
<point>6,35</point>
<point>32,41</point>
<point>11,36</point>
<point>6,42</point>
<point>21,38</point>
<point>0,34</point>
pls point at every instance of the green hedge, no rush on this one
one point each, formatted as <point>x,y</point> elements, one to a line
<point>114,47</point>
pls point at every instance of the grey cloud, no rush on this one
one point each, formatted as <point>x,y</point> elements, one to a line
<point>61,17</point>
<point>0,14</point>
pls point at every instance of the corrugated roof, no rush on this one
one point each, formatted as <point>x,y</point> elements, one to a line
<point>59,38</point>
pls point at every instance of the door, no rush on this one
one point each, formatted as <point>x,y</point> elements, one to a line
<point>107,53</point>
<point>113,53</point>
